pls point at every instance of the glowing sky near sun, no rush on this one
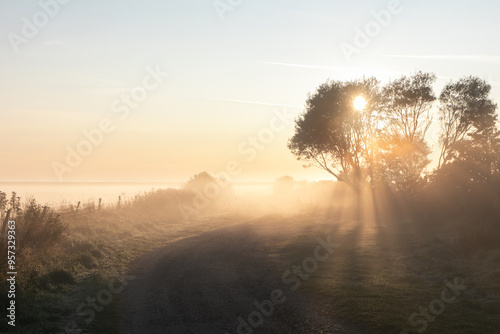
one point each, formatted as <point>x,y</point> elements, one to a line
<point>226,80</point>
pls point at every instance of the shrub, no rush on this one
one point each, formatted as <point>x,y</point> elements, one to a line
<point>38,227</point>
<point>216,193</point>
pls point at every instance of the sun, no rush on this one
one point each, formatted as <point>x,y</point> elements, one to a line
<point>359,103</point>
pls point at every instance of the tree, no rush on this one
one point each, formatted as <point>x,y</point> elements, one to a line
<point>215,192</point>
<point>407,104</point>
<point>466,111</point>
<point>468,174</point>
<point>15,202</point>
<point>331,134</point>
<point>199,181</point>
<point>3,201</point>
<point>402,162</point>
<point>283,186</point>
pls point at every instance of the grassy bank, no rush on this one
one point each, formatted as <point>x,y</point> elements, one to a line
<point>94,247</point>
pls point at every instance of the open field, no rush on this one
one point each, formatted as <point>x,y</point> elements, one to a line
<point>377,278</point>
<point>203,275</point>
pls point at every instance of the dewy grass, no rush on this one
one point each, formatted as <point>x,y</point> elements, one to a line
<point>383,272</point>
<point>381,285</point>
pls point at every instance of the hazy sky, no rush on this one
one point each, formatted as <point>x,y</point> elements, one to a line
<point>227,78</point>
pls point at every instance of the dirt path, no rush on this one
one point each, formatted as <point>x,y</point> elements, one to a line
<point>203,284</point>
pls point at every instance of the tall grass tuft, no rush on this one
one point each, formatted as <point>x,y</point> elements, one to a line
<point>38,229</point>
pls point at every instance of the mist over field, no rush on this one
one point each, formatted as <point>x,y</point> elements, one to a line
<point>244,167</point>
<point>305,256</point>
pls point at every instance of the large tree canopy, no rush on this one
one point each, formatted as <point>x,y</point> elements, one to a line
<point>470,140</point>
<point>466,111</point>
<point>332,134</point>
<point>407,104</point>
<point>383,141</point>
